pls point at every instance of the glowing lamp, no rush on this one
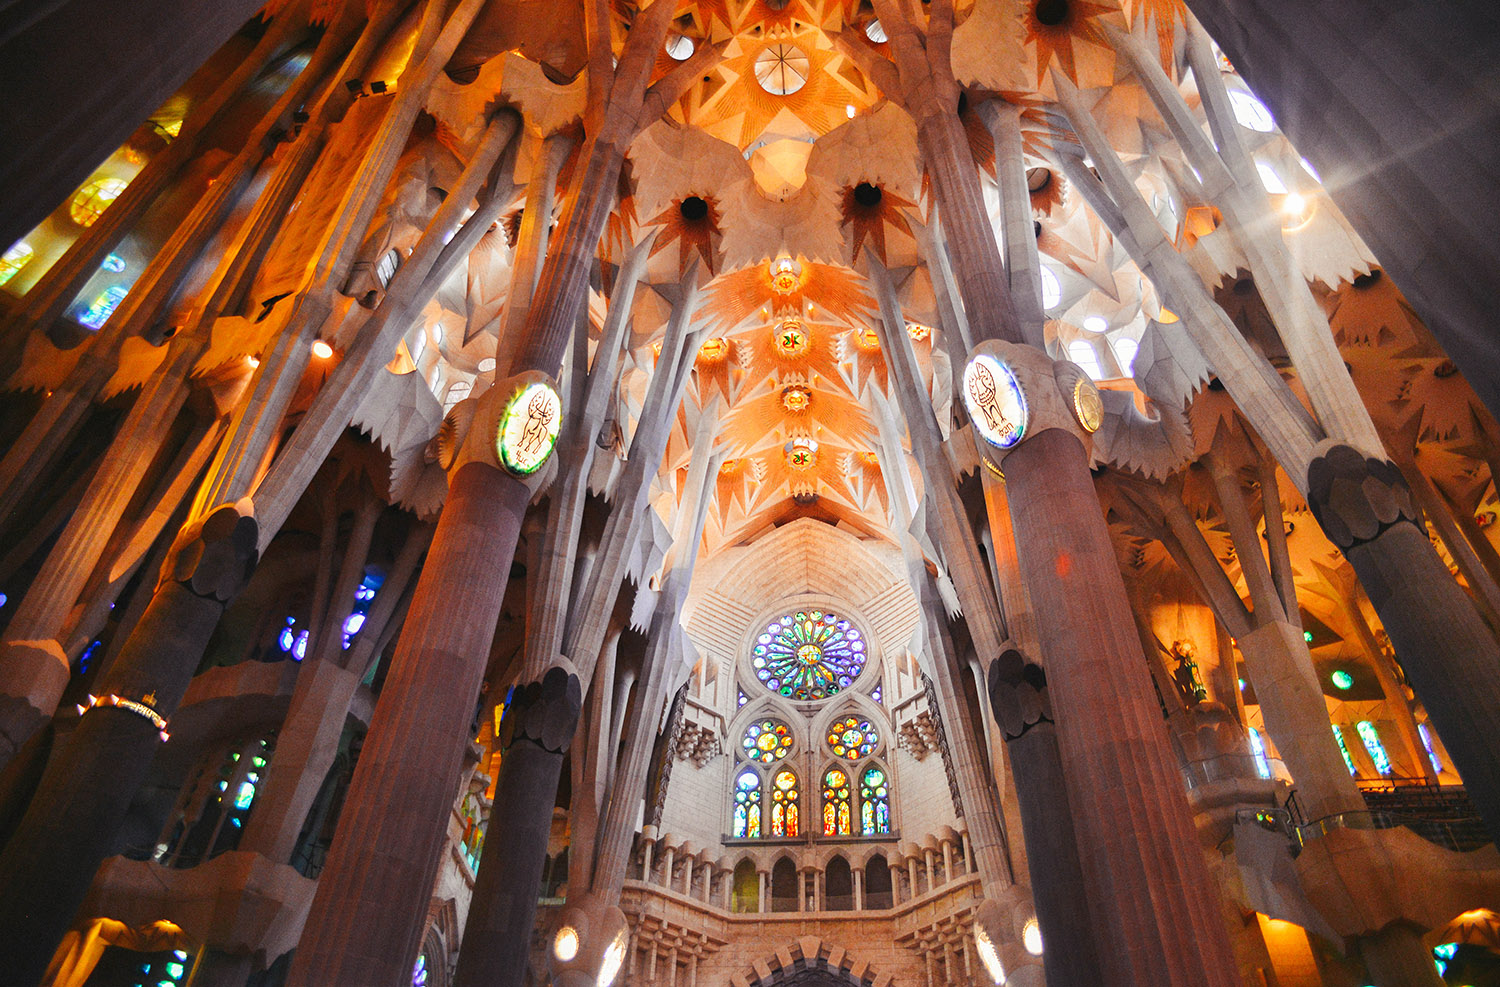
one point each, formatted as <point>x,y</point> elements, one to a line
<point>791,338</point>
<point>786,275</point>
<point>713,350</point>
<point>321,349</point>
<point>565,946</point>
<point>1031,937</point>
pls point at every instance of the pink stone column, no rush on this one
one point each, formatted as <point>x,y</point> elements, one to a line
<point>1158,910</point>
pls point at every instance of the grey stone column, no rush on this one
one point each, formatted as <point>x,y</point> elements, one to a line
<point>1452,660</point>
<point>1018,691</point>
<point>1136,838</point>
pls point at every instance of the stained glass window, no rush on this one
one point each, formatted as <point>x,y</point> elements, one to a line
<point>852,738</point>
<point>874,803</point>
<point>1338,735</point>
<point>1371,737</point>
<point>767,741</point>
<point>14,259</point>
<point>419,972</point>
<point>811,654</point>
<point>103,307</point>
<point>837,819</point>
<point>747,804</point>
<point>741,698</point>
<point>1437,764</point>
<point>90,201</point>
<point>1258,748</point>
<point>784,821</point>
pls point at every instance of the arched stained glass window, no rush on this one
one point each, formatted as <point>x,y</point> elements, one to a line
<point>767,741</point>
<point>1376,749</point>
<point>837,814</point>
<point>1338,735</point>
<point>784,814</point>
<point>14,259</point>
<point>811,654</point>
<point>747,804</point>
<point>874,802</point>
<point>852,738</point>
<point>89,202</point>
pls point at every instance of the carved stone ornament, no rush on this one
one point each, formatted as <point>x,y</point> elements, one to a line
<point>214,557</point>
<point>1354,497</point>
<point>1082,395</point>
<point>545,712</point>
<point>1012,392</point>
<point>1018,692</point>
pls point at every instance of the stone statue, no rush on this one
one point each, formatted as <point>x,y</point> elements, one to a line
<point>1189,682</point>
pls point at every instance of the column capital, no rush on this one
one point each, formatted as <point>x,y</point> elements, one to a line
<point>1012,392</point>
<point>214,556</point>
<point>513,426</point>
<point>1356,498</point>
<point>545,712</point>
<point>1018,694</point>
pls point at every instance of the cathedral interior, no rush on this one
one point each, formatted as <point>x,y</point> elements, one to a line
<point>741,493</point>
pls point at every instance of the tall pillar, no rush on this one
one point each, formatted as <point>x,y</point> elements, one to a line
<point>70,825</point>
<point>1023,708</point>
<point>1452,660</point>
<point>1136,838</point>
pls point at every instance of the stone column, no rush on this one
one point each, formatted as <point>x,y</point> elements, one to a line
<point>802,891</point>
<point>859,889</point>
<point>895,870</point>
<point>71,823</point>
<point>763,905</point>
<point>1111,739</point>
<point>1450,657</point>
<point>1023,708</point>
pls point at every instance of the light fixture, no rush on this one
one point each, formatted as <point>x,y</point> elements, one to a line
<point>1296,211</point>
<point>917,331</point>
<point>614,958</point>
<point>565,945</point>
<point>796,398</point>
<point>1031,937</point>
<point>713,349</point>
<point>786,275</point>
<point>791,338</point>
<point>849,110</point>
<point>867,339</point>
<point>321,350</point>
<point>1342,680</point>
<point>1096,323</point>
<point>680,47</point>
<point>801,453</point>
<point>252,361</point>
<point>988,954</point>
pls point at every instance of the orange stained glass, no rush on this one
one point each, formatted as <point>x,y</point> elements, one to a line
<point>784,804</point>
<point>837,816</point>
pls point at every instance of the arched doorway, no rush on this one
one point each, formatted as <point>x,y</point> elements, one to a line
<point>838,886</point>
<point>814,976</point>
<point>784,886</point>
<point>746,887</point>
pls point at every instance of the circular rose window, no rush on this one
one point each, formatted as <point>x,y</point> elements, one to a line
<point>810,654</point>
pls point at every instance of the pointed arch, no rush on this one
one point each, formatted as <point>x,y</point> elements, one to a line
<point>874,799</point>
<point>838,802</point>
<point>784,889</point>
<point>747,804</point>
<point>745,890</point>
<point>838,885</point>
<point>786,812</point>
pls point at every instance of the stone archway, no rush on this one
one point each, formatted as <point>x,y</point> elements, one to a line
<point>822,977</point>
<point>811,962</point>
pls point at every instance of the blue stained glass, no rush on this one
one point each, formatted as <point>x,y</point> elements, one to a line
<point>245,795</point>
<point>114,263</point>
<point>1338,735</point>
<point>299,650</point>
<point>419,971</point>
<point>103,307</point>
<point>811,654</point>
<point>1437,764</point>
<point>1371,738</point>
<point>1258,748</point>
